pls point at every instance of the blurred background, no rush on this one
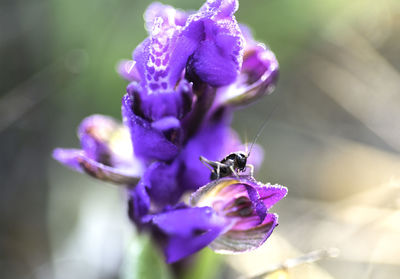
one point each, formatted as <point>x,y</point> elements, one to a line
<point>333,140</point>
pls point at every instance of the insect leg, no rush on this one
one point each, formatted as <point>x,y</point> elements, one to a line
<point>234,172</point>
<point>209,164</point>
<point>251,167</point>
<point>218,170</point>
<point>218,167</point>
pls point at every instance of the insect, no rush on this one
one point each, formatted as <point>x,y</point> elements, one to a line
<point>230,165</point>
<point>233,163</point>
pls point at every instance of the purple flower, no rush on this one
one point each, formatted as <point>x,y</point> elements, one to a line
<point>230,215</point>
<point>184,56</point>
<point>186,80</point>
<point>258,76</point>
<point>106,152</point>
<point>245,203</point>
<point>258,61</point>
<point>208,44</point>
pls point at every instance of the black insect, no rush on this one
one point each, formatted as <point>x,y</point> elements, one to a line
<point>232,164</point>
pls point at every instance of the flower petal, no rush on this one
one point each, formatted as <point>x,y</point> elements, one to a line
<point>161,181</point>
<point>184,222</point>
<point>155,105</point>
<point>95,133</point>
<point>218,58</point>
<point>106,153</point>
<point>271,194</point>
<point>108,142</point>
<point>68,157</point>
<point>245,201</point>
<point>77,160</point>
<point>180,247</point>
<point>139,204</point>
<point>162,57</point>
<point>189,230</point>
<point>149,142</point>
<point>258,59</point>
<point>170,15</point>
<point>240,241</point>
<point>230,188</point>
<point>258,76</point>
<point>127,69</point>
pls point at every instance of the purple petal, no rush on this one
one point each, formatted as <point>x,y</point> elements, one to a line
<point>161,181</point>
<point>221,193</point>
<point>106,153</point>
<point>77,160</point>
<point>69,157</point>
<point>245,201</point>
<point>149,143</point>
<point>127,69</point>
<point>181,247</point>
<point>246,223</point>
<point>166,124</point>
<point>162,57</point>
<point>271,194</point>
<point>183,222</point>
<point>221,7</point>
<point>240,241</point>
<point>170,15</point>
<point>155,105</point>
<point>257,192</point>
<point>95,132</point>
<point>258,77</point>
<point>218,58</point>
<point>108,142</point>
<point>258,205</point>
<point>160,60</point>
<point>139,204</point>
<point>189,230</point>
<point>258,59</point>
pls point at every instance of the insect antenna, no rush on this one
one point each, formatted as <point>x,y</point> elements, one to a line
<point>247,143</point>
<point>260,130</point>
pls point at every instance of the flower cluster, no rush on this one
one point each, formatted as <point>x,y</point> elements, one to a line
<point>186,79</point>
